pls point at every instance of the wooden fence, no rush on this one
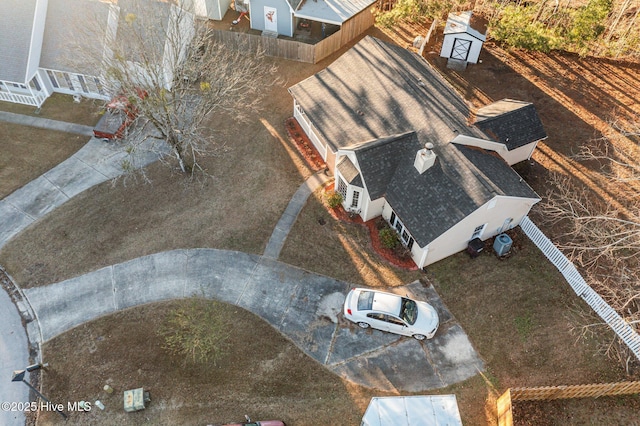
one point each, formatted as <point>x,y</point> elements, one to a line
<point>297,50</point>
<point>505,410</point>
<point>627,333</point>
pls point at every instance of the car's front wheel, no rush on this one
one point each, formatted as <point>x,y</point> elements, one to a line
<point>419,336</point>
<point>363,325</point>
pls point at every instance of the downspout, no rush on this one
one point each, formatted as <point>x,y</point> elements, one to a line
<point>423,258</point>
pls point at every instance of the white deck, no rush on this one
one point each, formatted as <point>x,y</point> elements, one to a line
<point>331,11</point>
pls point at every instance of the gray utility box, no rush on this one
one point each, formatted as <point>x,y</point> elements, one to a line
<point>502,244</point>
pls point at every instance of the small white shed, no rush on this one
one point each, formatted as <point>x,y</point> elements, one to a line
<point>464,35</point>
<point>423,410</point>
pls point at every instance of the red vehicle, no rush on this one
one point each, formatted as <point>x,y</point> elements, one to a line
<point>118,116</point>
<point>258,423</point>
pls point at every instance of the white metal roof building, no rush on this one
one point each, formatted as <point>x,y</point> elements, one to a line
<point>427,410</point>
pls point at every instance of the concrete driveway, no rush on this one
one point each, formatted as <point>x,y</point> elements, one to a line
<point>304,306</point>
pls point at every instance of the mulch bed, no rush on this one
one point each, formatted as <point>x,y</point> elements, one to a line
<point>314,161</point>
<point>304,145</point>
<point>388,254</point>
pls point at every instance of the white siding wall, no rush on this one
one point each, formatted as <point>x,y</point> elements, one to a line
<point>522,153</point>
<point>300,115</point>
<point>511,157</point>
<point>373,208</point>
<point>36,38</point>
<point>457,238</point>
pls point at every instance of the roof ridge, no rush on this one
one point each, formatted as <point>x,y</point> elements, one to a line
<point>375,142</point>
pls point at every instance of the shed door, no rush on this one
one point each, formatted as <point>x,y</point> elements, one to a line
<point>270,19</point>
<point>461,48</point>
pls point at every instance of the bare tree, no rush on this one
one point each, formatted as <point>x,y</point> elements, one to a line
<point>618,153</point>
<point>601,238</point>
<point>176,78</point>
<point>592,231</point>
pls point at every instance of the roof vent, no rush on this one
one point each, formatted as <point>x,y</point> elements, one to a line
<point>425,158</point>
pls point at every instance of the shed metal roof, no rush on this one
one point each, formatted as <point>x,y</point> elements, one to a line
<point>466,22</point>
<point>331,11</point>
<point>418,410</point>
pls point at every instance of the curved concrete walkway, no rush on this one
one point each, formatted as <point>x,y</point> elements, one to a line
<point>96,162</point>
<point>288,218</point>
<point>303,306</point>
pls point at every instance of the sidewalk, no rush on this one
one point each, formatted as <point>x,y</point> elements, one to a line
<point>288,218</point>
<point>45,123</point>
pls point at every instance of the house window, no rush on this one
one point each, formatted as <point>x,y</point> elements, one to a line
<point>404,235</point>
<point>477,233</point>
<point>406,239</point>
<point>52,77</point>
<point>68,79</point>
<point>35,83</point>
<point>355,199</point>
<point>83,84</point>
<point>99,85</point>
<point>342,189</point>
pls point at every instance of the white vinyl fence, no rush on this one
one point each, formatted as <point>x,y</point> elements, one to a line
<point>582,289</point>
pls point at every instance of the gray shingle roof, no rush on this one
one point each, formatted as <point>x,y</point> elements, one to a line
<point>379,159</point>
<point>16,29</point>
<point>378,89</point>
<point>349,172</point>
<point>513,123</point>
<point>72,25</point>
<point>461,180</point>
<point>385,103</point>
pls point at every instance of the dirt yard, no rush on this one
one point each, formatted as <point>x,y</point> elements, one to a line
<point>525,341</point>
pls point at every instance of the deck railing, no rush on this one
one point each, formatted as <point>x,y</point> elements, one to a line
<point>627,333</point>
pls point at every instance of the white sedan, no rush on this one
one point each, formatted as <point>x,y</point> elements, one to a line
<point>392,313</point>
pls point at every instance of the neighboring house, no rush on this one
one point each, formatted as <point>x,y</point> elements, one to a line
<point>399,141</point>
<point>34,46</point>
<point>281,17</point>
<point>39,38</point>
<point>210,9</point>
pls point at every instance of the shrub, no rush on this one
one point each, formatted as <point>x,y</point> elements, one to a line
<point>334,199</point>
<point>402,252</point>
<point>517,28</point>
<point>195,331</point>
<point>388,238</point>
<point>588,21</point>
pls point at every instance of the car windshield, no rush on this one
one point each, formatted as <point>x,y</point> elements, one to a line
<point>365,300</point>
<point>409,311</point>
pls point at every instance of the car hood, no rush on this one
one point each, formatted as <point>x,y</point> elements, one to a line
<point>427,317</point>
